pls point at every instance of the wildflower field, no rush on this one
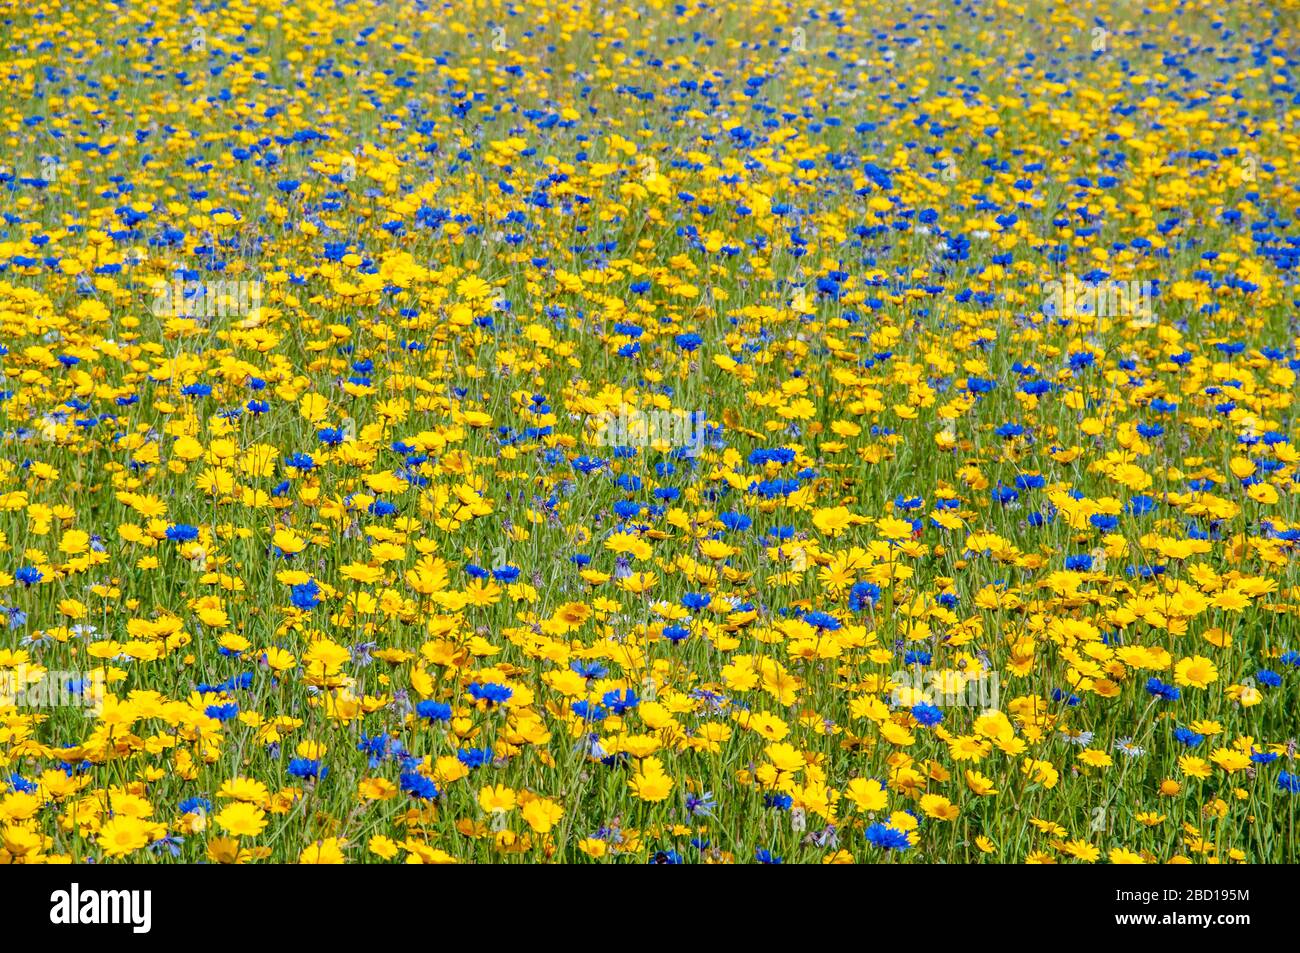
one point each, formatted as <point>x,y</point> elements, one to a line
<point>649,432</point>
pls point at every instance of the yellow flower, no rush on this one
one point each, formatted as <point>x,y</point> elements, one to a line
<point>939,807</point>
<point>120,836</point>
<point>994,725</point>
<point>1263,493</point>
<point>891,528</point>
<point>1230,760</point>
<point>832,521</point>
<point>1082,850</point>
<point>867,794</point>
<point>785,757</point>
<point>1123,856</point>
<point>74,541</point>
<point>245,789</point>
<point>979,784</point>
<point>542,814</point>
<point>499,799</point>
<point>650,783</point>
<point>241,819</point>
<point>1040,772</point>
<point>327,851</point>
<point>1095,759</point>
<point>288,542</point>
<point>1196,671</point>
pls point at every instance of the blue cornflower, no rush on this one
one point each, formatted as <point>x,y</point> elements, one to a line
<point>433,711</point>
<point>1160,690</point>
<point>736,522</point>
<point>887,838</point>
<point>588,711</point>
<point>490,692</point>
<point>22,785</point>
<point>701,805</point>
<point>927,714</point>
<point>418,786</point>
<point>307,768</point>
<point>1188,737</point>
<point>306,595</point>
<point>195,805</point>
<point>676,633</point>
<point>474,757</point>
<point>822,620</point>
<point>620,702</point>
<point>665,857</point>
<point>506,574</point>
<point>589,669</point>
<point>863,596</point>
